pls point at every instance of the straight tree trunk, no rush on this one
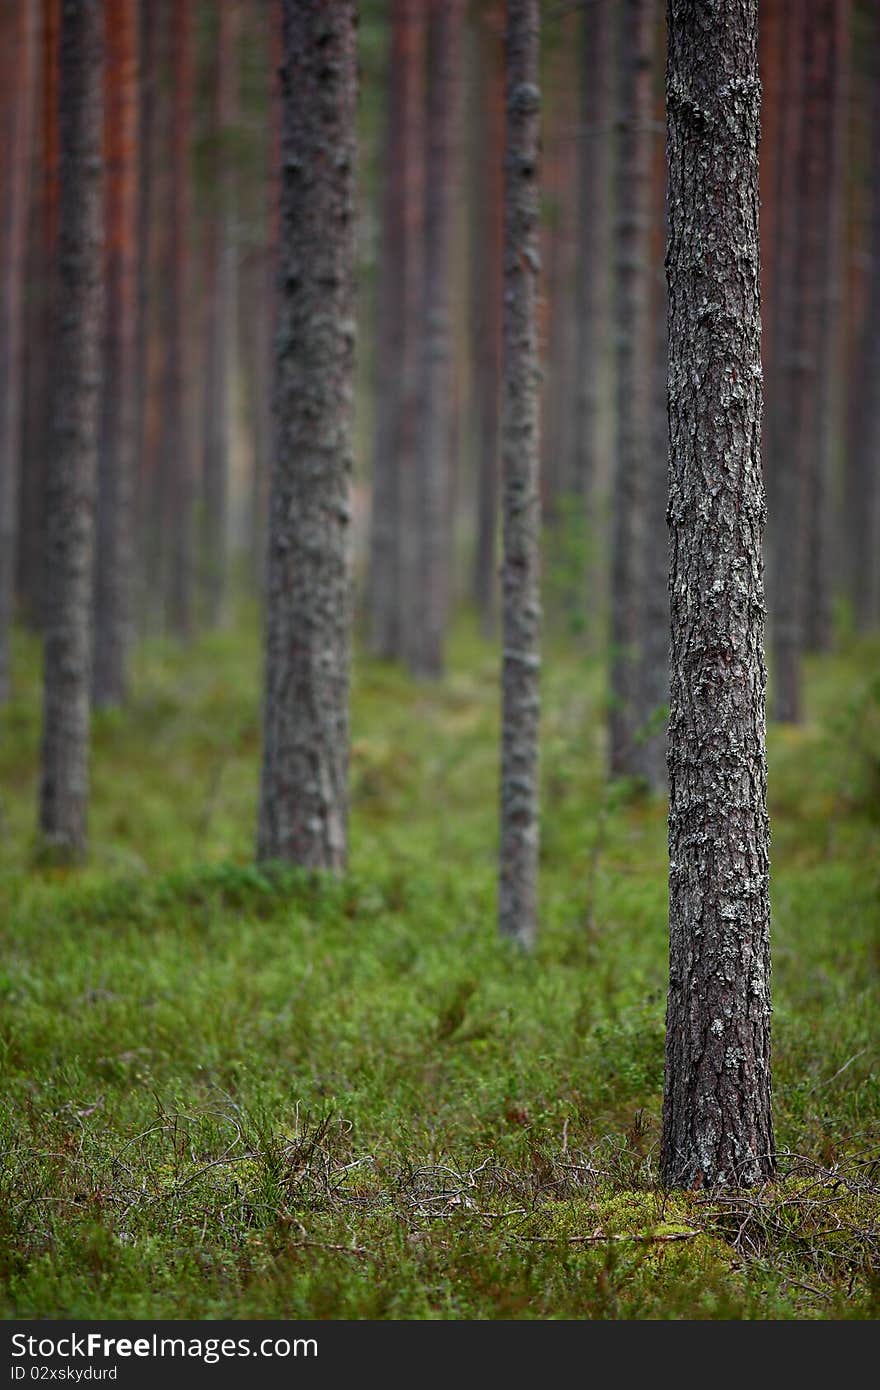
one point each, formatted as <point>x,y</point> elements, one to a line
<point>717,1124</point>
<point>179,462</point>
<point>830,19</point>
<point>594,146</point>
<point>73,460</point>
<point>394,554</point>
<point>429,600</point>
<point>19,39</point>
<point>521,613</point>
<point>145,395</point>
<point>43,278</point>
<point>487,202</point>
<point>800,385</point>
<point>864,449</point>
<point>114,575</point>
<point>304,792</point>
<point>220,290</point>
<point>635,360</point>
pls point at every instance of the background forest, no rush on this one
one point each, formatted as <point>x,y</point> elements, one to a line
<point>236,1087</point>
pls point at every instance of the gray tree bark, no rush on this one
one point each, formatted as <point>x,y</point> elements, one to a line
<point>521,612</point>
<point>717,1124</point>
<point>220,322</point>
<point>304,792</point>
<point>114,567</point>
<point>19,34</point>
<point>73,460</point>
<point>429,599</point>
<point>635,357</point>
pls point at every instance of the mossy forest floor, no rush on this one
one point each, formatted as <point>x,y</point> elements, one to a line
<point>235,1093</point>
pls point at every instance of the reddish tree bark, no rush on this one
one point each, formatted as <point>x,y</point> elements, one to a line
<point>18,46</point>
<point>219,293</point>
<point>114,577</point>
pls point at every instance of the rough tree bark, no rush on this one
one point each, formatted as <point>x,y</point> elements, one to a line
<point>635,359</point>
<point>304,792</point>
<point>220,291</point>
<point>429,599</point>
<point>393,549</point>
<point>19,39</point>
<point>717,1125</point>
<point>520,581</point>
<point>487,203</point>
<point>73,460</point>
<point>114,567</point>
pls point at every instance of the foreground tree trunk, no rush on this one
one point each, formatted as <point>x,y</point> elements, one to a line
<point>521,614</point>
<point>114,578</point>
<point>717,1125</point>
<point>73,459</point>
<point>304,793</point>
<point>19,38</point>
<point>635,360</point>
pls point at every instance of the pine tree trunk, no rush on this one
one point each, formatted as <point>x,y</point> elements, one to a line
<point>73,460</point>
<point>521,614</point>
<point>425,650</point>
<point>19,39</point>
<point>43,277</point>
<point>178,463</point>
<point>594,147</point>
<point>394,555</point>
<point>864,450</point>
<point>831,21</point>
<point>304,793</point>
<point>487,202</point>
<point>220,289</point>
<point>717,1125</point>
<point>114,564</point>
<point>635,358</point>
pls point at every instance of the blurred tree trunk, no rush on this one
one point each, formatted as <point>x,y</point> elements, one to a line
<point>429,599</point>
<point>654,636</point>
<point>594,145</point>
<point>114,569</point>
<point>18,50</point>
<point>802,388</point>
<point>717,1122</point>
<point>394,558</point>
<point>179,462</point>
<point>304,792</point>
<point>828,125</point>
<point>146,395</point>
<point>521,614</point>
<point>43,278</point>
<point>863,468</point>
<point>487,204</point>
<point>259,327</point>
<point>635,364</point>
<point>220,292</point>
<point>73,459</point>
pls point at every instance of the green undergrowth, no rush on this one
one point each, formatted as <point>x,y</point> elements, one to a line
<point>232,1091</point>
